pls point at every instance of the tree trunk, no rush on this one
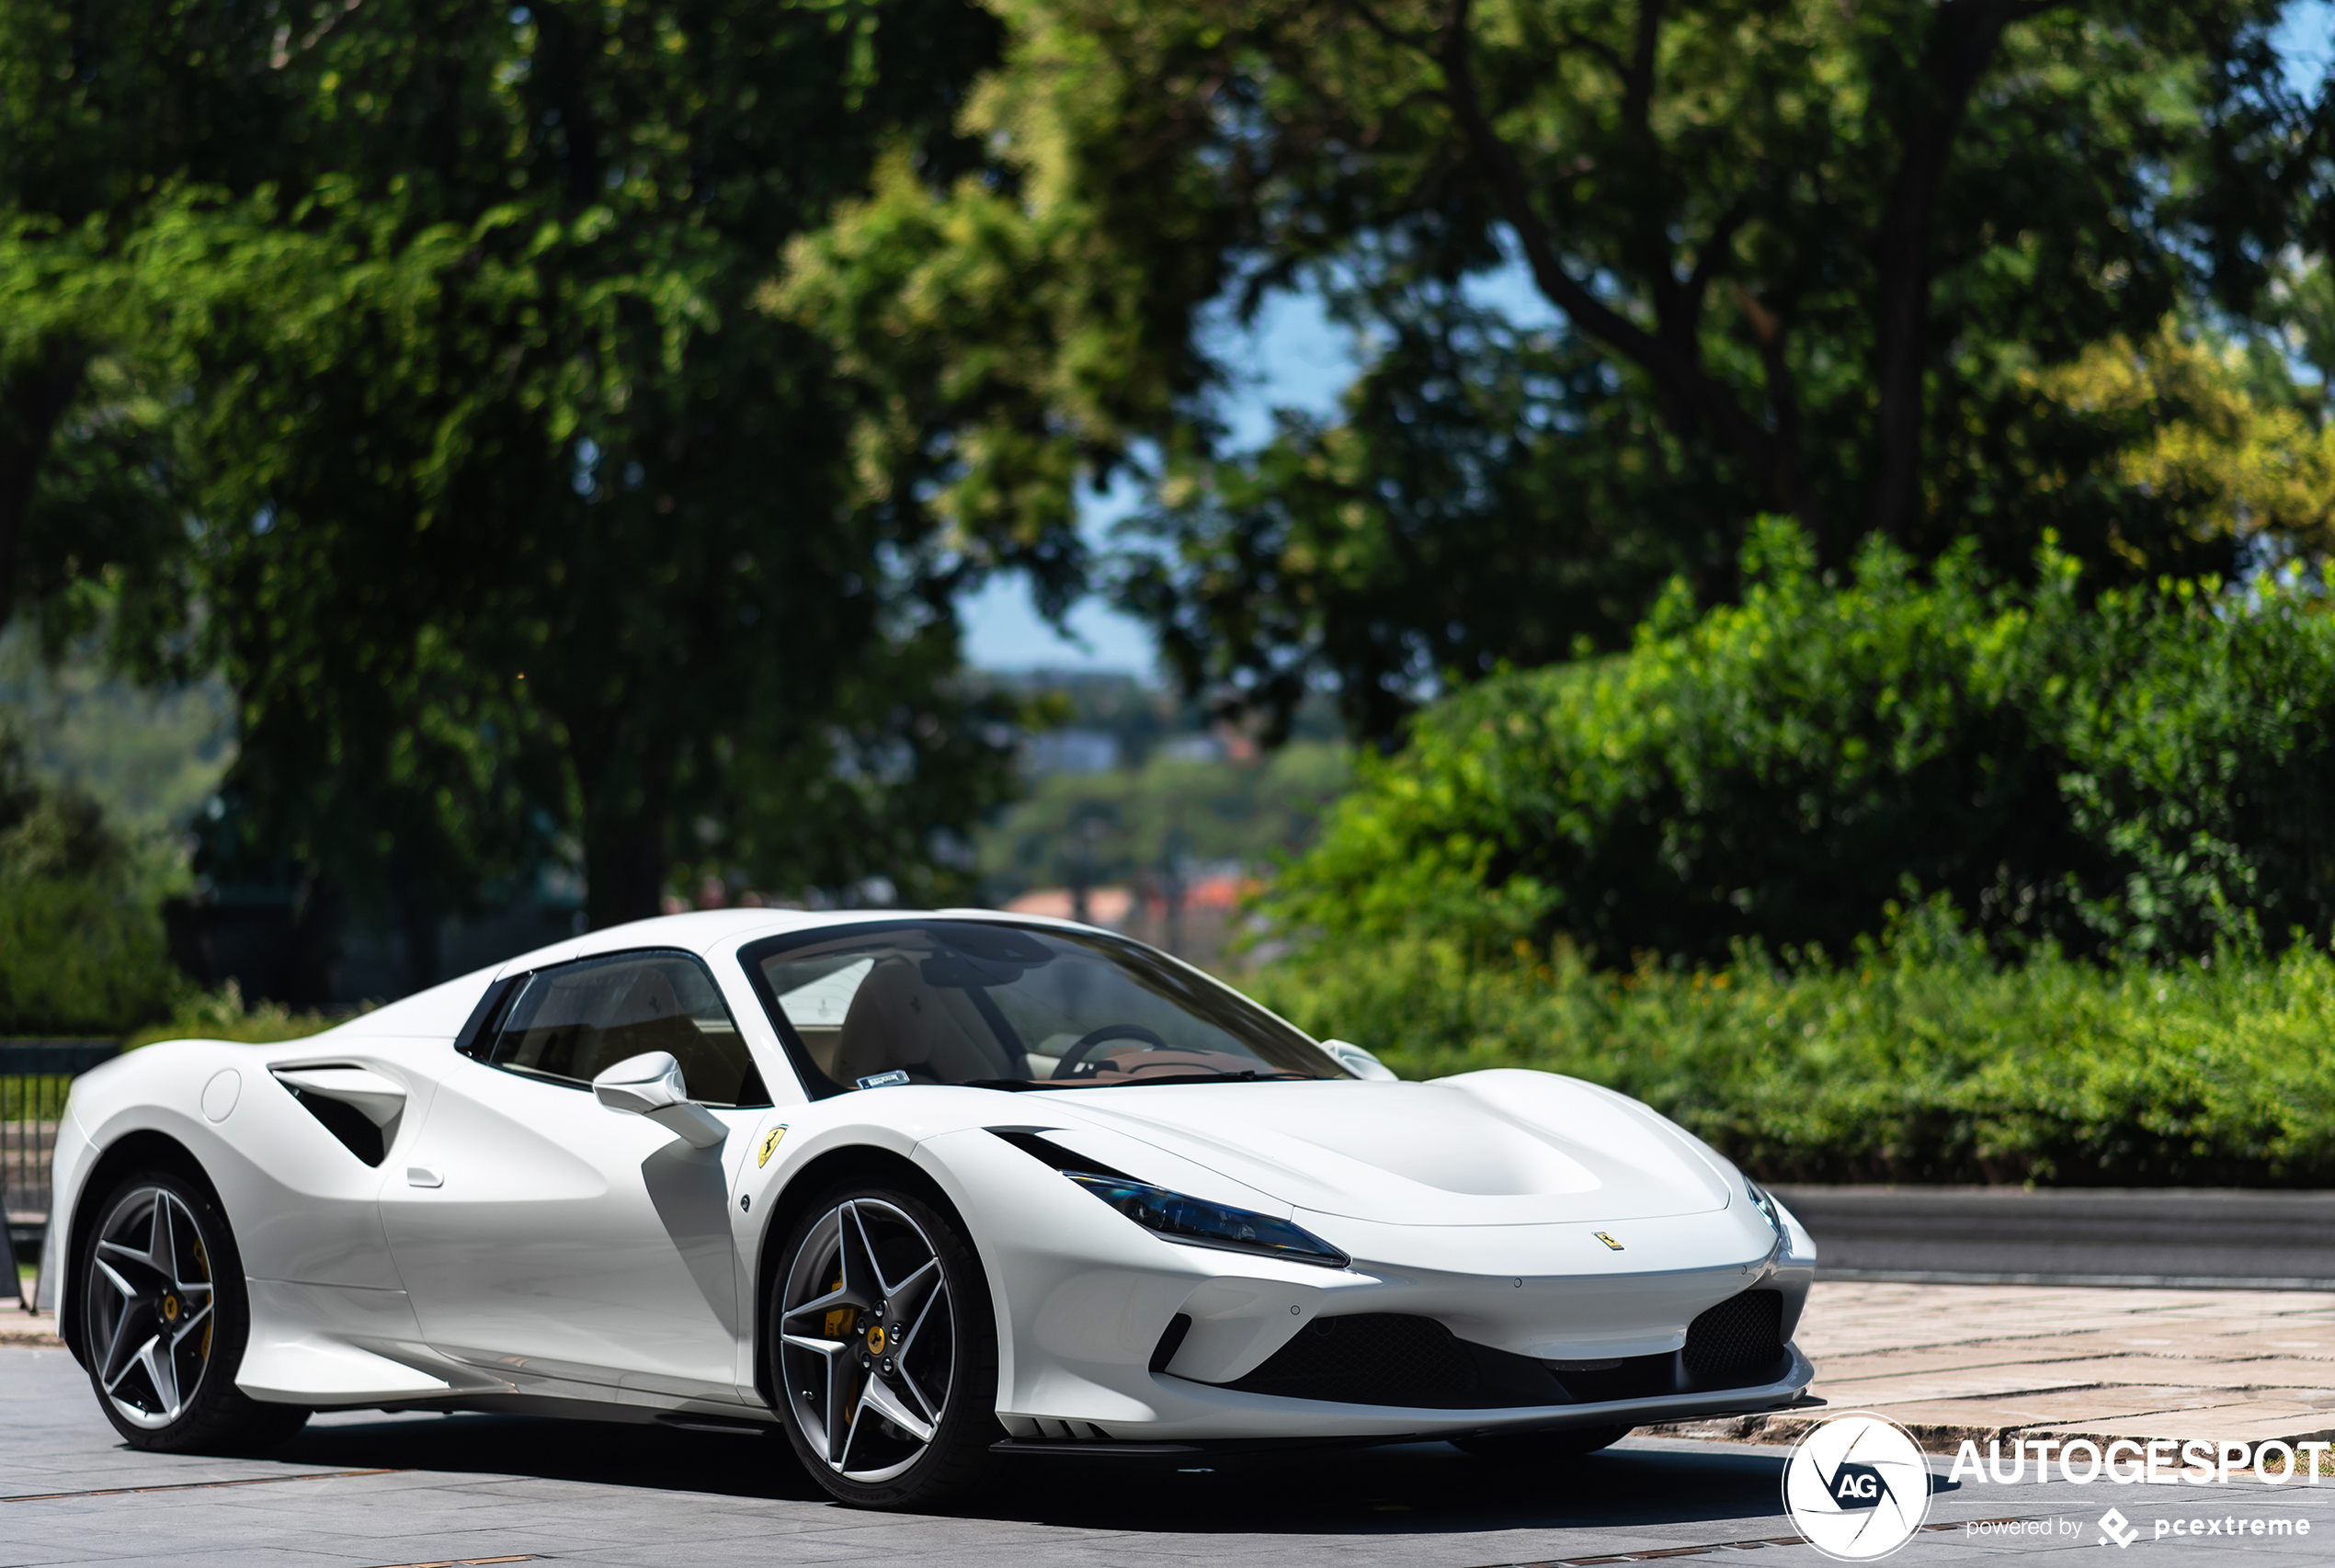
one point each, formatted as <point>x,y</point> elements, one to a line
<point>1692,400</point>
<point>1961,46</point>
<point>624,862</point>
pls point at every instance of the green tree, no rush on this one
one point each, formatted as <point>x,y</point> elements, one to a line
<point>2142,770</point>
<point>106,106</point>
<point>516,516</point>
<point>1806,260</point>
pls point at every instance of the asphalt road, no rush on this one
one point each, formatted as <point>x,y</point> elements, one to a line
<point>1993,1235</point>
<point>368,1489</point>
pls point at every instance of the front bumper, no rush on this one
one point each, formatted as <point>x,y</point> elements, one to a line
<point>1264,1420</point>
<point>1085,1299</point>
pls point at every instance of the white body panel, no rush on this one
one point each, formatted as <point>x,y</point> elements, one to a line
<point>559,1238</point>
<point>520,1240</point>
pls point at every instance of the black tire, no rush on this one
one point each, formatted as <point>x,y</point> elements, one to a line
<point>1525,1447</point>
<point>846,1305</point>
<point>164,1319</point>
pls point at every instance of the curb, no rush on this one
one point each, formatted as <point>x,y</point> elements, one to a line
<point>30,1329</point>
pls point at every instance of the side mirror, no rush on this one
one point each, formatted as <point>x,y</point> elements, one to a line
<point>1358,1062</point>
<point>650,1084</point>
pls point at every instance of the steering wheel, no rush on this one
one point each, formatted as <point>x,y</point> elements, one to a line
<point>1077,1054</point>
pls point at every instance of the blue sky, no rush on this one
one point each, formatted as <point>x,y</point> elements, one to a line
<point>1294,355</point>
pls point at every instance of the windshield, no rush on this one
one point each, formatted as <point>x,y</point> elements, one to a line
<point>1012,1007</point>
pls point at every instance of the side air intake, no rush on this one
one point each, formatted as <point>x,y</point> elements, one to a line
<point>355,1104</point>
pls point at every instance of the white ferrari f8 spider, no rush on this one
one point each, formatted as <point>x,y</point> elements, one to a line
<point>918,1190</point>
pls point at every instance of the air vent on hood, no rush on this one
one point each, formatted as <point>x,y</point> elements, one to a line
<point>1032,1142</point>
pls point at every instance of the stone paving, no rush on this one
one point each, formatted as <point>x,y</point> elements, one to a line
<point>365,1490</point>
<point>1983,1362</point>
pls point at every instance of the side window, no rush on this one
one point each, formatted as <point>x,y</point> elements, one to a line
<point>572,1023</point>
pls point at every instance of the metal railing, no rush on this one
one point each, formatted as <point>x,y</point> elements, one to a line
<point>35,1075</point>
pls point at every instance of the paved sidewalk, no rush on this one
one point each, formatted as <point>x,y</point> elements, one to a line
<point>20,1328</point>
<point>359,1488</point>
<point>1955,1361</point>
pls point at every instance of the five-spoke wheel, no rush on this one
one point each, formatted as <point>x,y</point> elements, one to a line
<point>884,1354</point>
<point>150,1326</point>
<point>163,1321</point>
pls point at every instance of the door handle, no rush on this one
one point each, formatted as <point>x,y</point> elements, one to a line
<point>425,1175</point>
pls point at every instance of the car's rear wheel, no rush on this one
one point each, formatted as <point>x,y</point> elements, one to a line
<point>1522,1447</point>
<point>164,1320</point>
<point>883,1350</point>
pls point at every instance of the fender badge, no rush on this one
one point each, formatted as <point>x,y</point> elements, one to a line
<point>1609,1241</point>
<point>770,1142</point>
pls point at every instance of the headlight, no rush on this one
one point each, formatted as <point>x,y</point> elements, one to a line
<point>1196,1223</point>
<point>1764,1204</point>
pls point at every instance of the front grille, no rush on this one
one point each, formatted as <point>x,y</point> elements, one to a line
<point>1416,1362</point>
<point>1371,1359</point>
<point>1635,1376</point>
<point>1736,1342</point>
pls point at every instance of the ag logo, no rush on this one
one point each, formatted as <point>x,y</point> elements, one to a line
<point>1857,1487</point>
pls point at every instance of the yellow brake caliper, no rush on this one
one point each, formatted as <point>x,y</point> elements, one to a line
<point>839,1324</point>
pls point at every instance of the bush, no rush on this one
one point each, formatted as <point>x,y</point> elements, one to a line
<point>81,936</point>
<point>2146,772</point>
<point>78,957</point>
<point>223,1015</point>
<point>1919,1058</point>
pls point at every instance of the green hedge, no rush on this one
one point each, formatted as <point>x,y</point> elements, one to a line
<point>1918,1058</point>
<point>223,1015</point>
<point>2146,772</point>
<point>82,949</point>
<point>80,955</point>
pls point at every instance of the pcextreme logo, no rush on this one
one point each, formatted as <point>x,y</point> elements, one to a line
<point>1857,1487</point>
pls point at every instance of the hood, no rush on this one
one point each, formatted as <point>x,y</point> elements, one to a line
<point>1497,1148</point>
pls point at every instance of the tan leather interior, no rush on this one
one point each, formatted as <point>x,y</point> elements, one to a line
<point>618,1013</point>
<point>898,1023</point>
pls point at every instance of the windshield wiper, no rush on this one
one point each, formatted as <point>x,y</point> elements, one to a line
<point>1246,1075</point>
<point>1023,1086</point>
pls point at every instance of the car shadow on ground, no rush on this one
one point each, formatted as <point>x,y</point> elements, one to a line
<point>1402,1488</point>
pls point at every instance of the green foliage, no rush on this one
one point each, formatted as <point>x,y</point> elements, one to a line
<point>520,530</point>
<point>81,937</point>
<point>1916,1059</point>
<point>2148,771</point>
<point>1095,827</point>
<point>1468,511</point>
<point>79,957</point>
<point>107,106</point>
<point>223,1015</point>
<point>1799,258</point>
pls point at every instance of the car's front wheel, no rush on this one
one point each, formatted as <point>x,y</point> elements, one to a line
<point>164,1320</point>
<point>884,1350</point>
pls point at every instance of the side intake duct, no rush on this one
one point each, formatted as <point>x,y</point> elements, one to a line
<point>354,1104</point>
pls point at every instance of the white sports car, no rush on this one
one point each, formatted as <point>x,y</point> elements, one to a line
<point>918,1190</point>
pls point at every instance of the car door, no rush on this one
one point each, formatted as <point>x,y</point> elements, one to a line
<point>543,1235</point>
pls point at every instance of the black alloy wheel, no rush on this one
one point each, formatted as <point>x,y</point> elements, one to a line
<point>884,1351</point>
<point>164,1320</point>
